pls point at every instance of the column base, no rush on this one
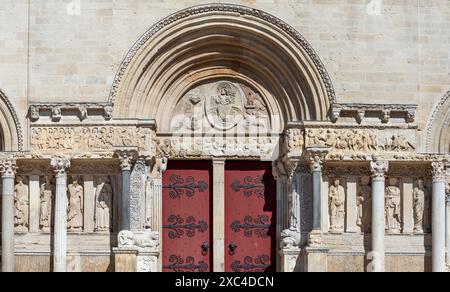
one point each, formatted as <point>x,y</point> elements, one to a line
<point>317,259</point>
<point>125,260</point>
<point>290,260</point>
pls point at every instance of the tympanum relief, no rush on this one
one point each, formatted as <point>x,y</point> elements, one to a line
<point>221,106</point>
<point>21,200</point>
<point>393,207</point>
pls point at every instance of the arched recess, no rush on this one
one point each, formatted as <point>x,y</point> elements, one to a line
<point>220,41</point>
<point>11,138</point>
<point>438,130</point>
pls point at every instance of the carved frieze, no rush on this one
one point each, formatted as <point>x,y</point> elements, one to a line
<point>86,138</point>
<point>185,147</point>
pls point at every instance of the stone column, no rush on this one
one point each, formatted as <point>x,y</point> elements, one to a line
<point>219,215</point>
<point>60,233</point>
<point>379,169</point>
<point>126,158</point>
<point>316,254</point>
<point>317,157</point>
<point>447,229</point>
<point>8,171</point>
<point>438,216</point>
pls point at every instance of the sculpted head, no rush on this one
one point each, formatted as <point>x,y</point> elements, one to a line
<point>420,183</point>
<point>393,181</point>
<point>19,179</point>
<point>337,182</point>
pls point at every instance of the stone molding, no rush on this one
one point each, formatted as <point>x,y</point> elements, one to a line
<point>359,111</point>
<point>55,109</point>
<point>434,122</point>
<point>16,127</point>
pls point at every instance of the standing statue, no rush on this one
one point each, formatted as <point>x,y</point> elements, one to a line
<point>21,201</point>
<point>75,208</point>
<point>337,206</point>
<point>364,204</point>
<point>103,205</point>
<point>419,195</point>
<point>393,213</point>
<point>46,198</point>
<point>294,206</point>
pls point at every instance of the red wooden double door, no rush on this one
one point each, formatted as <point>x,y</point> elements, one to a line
<point>250,219</point>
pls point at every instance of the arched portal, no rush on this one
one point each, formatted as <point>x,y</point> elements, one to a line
<point>11,138</point>
<point>222,42</point>
<point>438,135</point>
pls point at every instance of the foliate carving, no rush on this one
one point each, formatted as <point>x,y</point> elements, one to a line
<point>379,168</point>
<point>393,207</point>
<point>103,204</point>
<point>8,167</point>
<point>315,239</point>
<point>127,158</point>
<point>125,239</point>
<point>60,165</point>
<point>46,204</point>
<point>317,157</point>
<point>364,205</point>
<point>421,207</point>
<point>336,198</point>
<point>439,172</point>
<point>147,264</point>
<point>75,194</point>
<point>21,202</point>
<point>76,139</point>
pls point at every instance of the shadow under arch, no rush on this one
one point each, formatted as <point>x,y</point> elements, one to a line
<point>215,41</point>
<point>11,137</point>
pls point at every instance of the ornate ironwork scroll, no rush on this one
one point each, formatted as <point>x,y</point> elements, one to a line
<point>260,264</point>
<point>179,227</point>
<point>250,186</point>
<point>179,186</point>
<point>260,226</point>
<point>178,264</point>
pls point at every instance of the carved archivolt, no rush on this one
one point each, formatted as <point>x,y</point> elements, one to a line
<point>438,128</point>
<point>11,129</point>
<point>209,49</point>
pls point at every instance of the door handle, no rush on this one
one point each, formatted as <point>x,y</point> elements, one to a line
<point>232,247</point>
<point>205,248</point>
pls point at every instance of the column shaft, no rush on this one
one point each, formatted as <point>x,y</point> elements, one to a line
<point>126,175</point>
<point>317,200</point>
<point>219,215</point>
<point>8,223</point>
<point>438,219</point>
<point>60,246</point>
<point>378,224</point>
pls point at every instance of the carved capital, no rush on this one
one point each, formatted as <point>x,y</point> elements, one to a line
<point>8,167</point>
<point>159,166</point>
<point>60,165</point>
<point>379,168</point>
<point>317,157</point>
<point>438,171</point>
<point>127,158</point>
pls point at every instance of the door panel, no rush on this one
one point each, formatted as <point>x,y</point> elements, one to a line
<point>250,219</point>
<point>187,217</point>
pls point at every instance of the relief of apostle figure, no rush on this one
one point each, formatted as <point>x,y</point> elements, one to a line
<point>46,198</point>
<point>103,205</point>
<point>337,206</point>
<point>364,205</point>
<point>21,201</point>
<point>393,212</point>
<point>75,207</point>
<point>420,194</point>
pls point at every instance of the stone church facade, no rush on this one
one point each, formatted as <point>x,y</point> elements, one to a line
<point>292,136</point>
